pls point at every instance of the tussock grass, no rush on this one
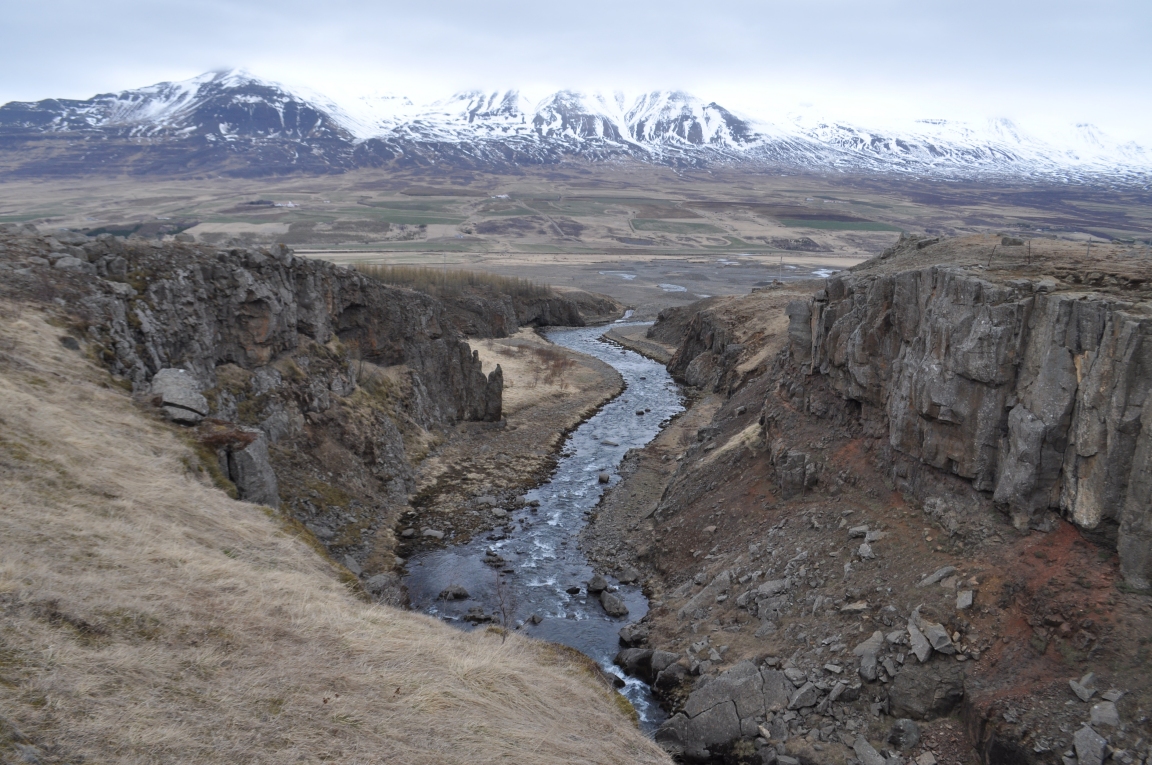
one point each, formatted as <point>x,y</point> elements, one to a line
<point>146,617</point>
<point>442,282</point>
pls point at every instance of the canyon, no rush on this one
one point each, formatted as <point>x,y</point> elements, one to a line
<point>904,517</point>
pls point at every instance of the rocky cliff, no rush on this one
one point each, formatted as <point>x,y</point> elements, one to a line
<point>1038,396</point>
<point>917,490</point>
<point>303,382</point>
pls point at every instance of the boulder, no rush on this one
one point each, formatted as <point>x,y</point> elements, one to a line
<point>179,394</point>
<point>251,470</point>
<point>1090,747</point>
<point>632,635</point>
<point>926,691</point>
<point>454,592</point>
<point>597,584</point>
<point>613,604</point>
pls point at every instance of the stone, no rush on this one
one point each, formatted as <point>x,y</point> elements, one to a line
<point>936,576</point>
<point>432,533</point>
<point>718,725</point>
<point>609,442</point>
<point>408,533</point>
<point>921,648</point>
<point>904,734</point>
<point>872,645</point>
<point>866,753</point>
<point>772,587</point>
<point>70,343</point>
<point>672,735</point>
<point>70,263</point>
<point>869,668</point>
<point>353,565</point>
<point>927,758</point>
<point>636,662</point>
<point>499,512</point>
<point>963,600</point>
<point>865,552</point>
<point>796,676</point>
<point>875,536</point>
<point>597,584</point>
<point>857,532</point>
<point>628,575</point>
<point>613,604</point>
<point>806,695</point>
<point>604,477</point>
<point>854,608</point>
<point>633,635</point>
<point>251,471</point>
<point>1084,694</point>
<point>938,637</point>
<point>454,592</point>
<point>379,583</point>
<point>926,691</point>
<point>1090,746</point>
<point>1112,695</point>
<point>1105,713</point>
<point>180,397</point>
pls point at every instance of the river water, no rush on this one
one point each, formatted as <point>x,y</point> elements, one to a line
<point>539,546</point>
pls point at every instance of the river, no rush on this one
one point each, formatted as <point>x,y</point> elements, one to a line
<point>539,545</point>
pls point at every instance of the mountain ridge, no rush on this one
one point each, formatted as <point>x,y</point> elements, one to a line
<point>239,124</point>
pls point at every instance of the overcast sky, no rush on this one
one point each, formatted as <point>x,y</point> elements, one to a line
<point>1039,62</point>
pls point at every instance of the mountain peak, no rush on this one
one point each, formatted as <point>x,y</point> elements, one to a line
<point>234,113</point>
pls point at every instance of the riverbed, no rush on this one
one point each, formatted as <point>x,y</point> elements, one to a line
<point>521,574</point>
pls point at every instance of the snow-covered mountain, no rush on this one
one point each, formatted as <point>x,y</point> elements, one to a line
<point>235,123</point>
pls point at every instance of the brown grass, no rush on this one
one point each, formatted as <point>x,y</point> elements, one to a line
<point>146,617</point>
<point>444,282</point>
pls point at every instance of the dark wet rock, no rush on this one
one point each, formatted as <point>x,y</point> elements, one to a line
<point>454,592</point>
<point>597,584</point>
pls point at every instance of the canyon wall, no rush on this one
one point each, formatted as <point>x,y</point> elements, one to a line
<point>1039,398</point>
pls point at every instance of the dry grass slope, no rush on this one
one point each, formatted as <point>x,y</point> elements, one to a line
<point>145,617</point>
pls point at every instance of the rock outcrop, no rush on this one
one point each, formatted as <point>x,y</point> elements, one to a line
<point>306,386</point>
<point>1039,399</point>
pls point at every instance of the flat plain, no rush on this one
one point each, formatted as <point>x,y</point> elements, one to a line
<point>649,236</point>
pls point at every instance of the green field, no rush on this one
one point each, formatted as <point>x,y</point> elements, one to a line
<point>673,227</point>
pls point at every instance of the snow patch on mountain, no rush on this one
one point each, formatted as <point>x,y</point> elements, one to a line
<point>671,127</point>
